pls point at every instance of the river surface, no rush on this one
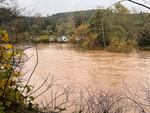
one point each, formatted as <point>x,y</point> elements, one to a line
<point>92,69</point>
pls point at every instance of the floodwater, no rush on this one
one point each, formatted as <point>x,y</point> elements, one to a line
<point>92,69</point>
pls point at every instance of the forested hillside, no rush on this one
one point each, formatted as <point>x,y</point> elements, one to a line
<point>59,18</point>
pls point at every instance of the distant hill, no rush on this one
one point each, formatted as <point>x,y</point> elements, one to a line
<point>86,15</point>
<point>26,22</point>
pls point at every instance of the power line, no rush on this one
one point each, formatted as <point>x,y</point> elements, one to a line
<point>138,4</point>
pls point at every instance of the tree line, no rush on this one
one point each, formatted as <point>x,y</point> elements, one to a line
<point>115,29</point>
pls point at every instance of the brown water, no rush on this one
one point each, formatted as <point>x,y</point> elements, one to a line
<point>89,68</point>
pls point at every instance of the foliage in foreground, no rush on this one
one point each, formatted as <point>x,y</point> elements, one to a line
<point>13,94</point>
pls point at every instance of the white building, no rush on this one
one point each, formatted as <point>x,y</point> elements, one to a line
<point>62,39</point>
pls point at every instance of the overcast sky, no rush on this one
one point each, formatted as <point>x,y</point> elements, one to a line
<point>50,7</point>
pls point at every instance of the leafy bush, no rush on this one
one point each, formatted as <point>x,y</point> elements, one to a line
<point>12,91</point>
<point>85,38</point>
<point>72,40</point>
<point>119,45</point>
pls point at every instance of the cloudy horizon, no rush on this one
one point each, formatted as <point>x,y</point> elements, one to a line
<point>50,7</point>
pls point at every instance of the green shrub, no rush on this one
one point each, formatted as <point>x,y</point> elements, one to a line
<point>42,39</point>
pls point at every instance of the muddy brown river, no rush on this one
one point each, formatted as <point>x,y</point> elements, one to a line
<point>92,69</point>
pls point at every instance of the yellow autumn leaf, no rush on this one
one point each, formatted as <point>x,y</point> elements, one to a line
<point>17,73</point>
<point>9,46</point>
<point>7,66</point>
<point>5,37</point>
<point>9,54</point>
